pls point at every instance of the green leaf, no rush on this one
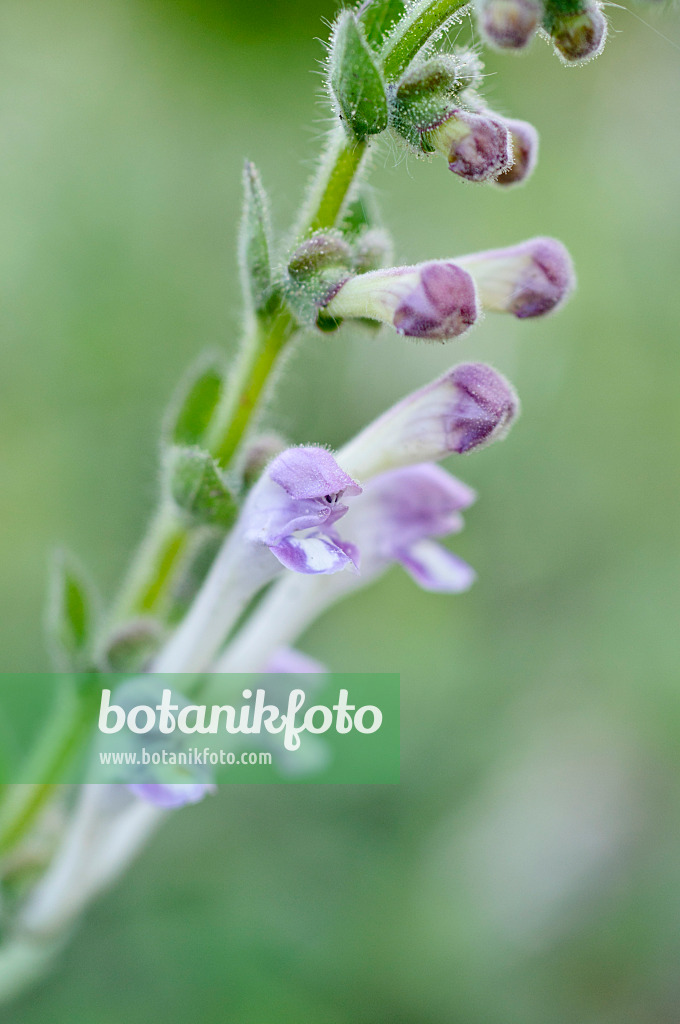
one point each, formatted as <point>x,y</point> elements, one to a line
<point>254,244</point>
<point>198,489</point>
<point>356,81</point>
<point>192,411</point>
<point>377,18</point>
<point>70,619</point>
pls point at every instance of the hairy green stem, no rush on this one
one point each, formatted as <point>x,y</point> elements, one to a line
<point>421,22</point>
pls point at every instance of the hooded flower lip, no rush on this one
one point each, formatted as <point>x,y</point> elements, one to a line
<point>527,280</point>
<point>433,301</point>
<point>294,506</point>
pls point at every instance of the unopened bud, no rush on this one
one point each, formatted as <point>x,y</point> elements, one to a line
<point>509,24</point>
<point>470,406</point>
<point>433,301</point>
<point>131,646</point>
<point>578,36</point>
<point>524,151</point>
<point>316,270</point>
<point>529,279</point>
<point>476,146</point>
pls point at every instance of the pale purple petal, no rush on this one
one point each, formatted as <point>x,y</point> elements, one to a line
<point>433,567</point>
<point>170,796</point>
<point>401,507</point>
<point>289,661</point>
<point>314,554</point>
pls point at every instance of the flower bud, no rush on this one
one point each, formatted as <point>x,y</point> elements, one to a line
<point>509,24</point>
<point>470,406</point>
<point>476,146</point>
<point>529,279</point>
<point>524,150</point>
<point>132,645</point>
<point>317,269</point>
<point>433,301</point>
<point>578,36</point>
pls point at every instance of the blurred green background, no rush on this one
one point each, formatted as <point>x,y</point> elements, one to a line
<point>527,869</point>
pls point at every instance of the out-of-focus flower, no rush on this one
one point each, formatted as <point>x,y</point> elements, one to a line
<point>509,24</point>
<point>524,152</point>
<point>529,279</point>
<point>578,35</point>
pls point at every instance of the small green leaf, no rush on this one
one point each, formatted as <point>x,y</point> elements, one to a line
<point>377,18</point>
<point>254,244</point>
<point>198,489</point>
<point>70,619</point>
<point>356,81</point>
<point>193,409</point>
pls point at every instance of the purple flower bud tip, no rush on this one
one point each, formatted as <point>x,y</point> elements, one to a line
<point>483,151</point>
<point>547,281</point>
<point>524,151</point>
<point>442,305</point>
<point>510,24</point>
<point>486,408</point>
<point>581,36</point>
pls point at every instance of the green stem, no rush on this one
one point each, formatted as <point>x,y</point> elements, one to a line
<point>68,726</point>
<point>422,21</point>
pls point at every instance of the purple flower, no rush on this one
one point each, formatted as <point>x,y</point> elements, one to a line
<point>287,520</point>
<point>477,146</point>
<point>293,508</point>
<point>524,151</point>
<point>469,406</point>
<point>529,279</point>
<point>171,795</point>
<point>397,517</point>
<point>509,24</point>
<point>433,301</point>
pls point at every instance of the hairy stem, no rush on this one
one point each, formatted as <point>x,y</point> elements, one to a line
<point>423,20</point>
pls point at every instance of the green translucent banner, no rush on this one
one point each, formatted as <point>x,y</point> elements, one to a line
<point>213,729</point>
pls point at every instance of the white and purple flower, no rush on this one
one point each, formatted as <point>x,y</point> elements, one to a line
<point>527,280</point>
<point>433,301</point>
